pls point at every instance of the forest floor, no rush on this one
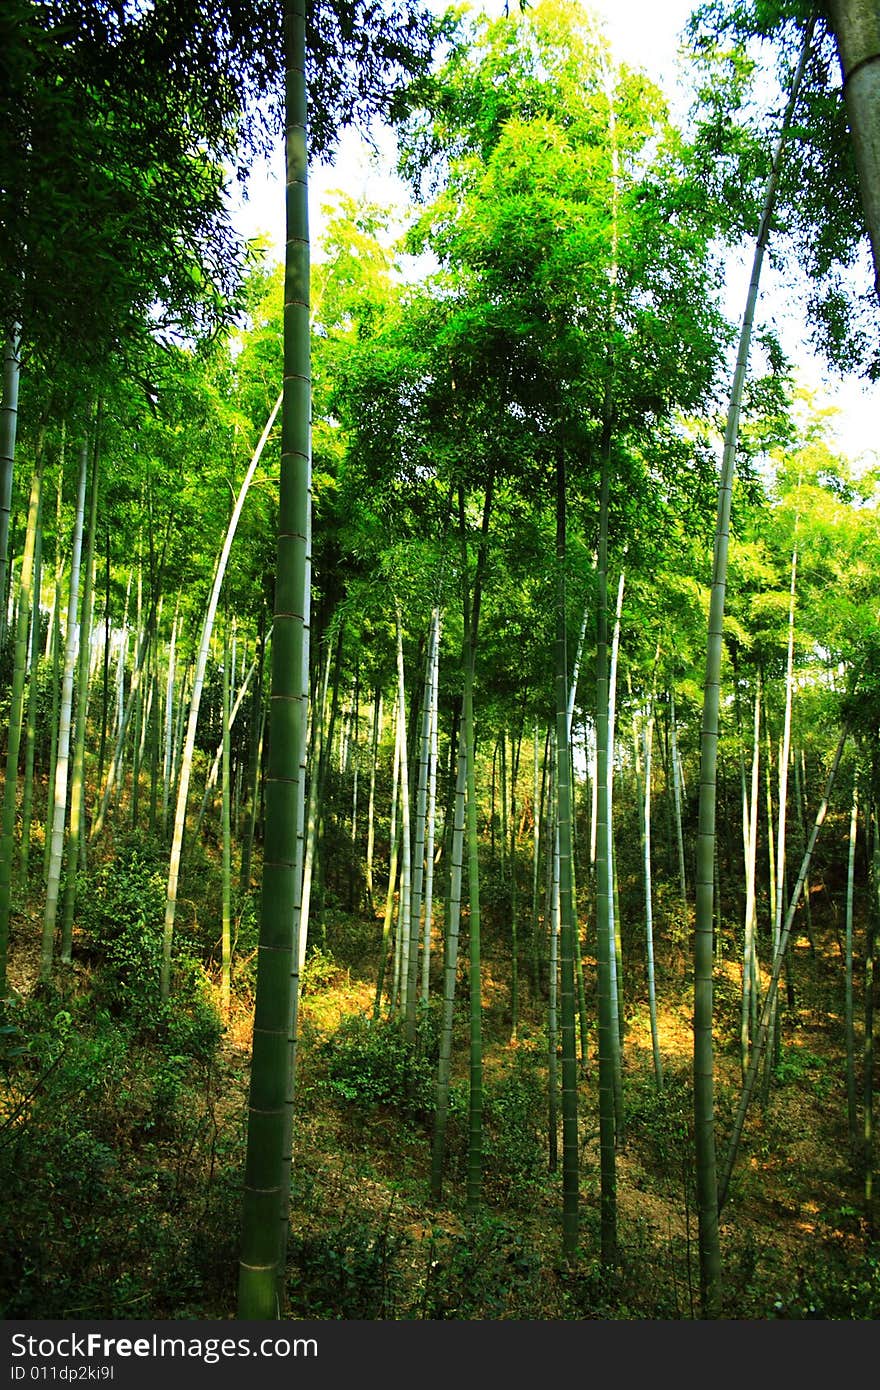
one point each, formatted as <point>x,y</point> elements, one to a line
<point>795,1242</point>
<point>159,1136</point>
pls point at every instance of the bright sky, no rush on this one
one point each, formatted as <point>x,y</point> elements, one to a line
<point>645,34</point>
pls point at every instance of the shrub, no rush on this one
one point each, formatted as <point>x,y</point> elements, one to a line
<point>490,1272</point>
<point>351,1271</point>
<point>121,915</point>
<point>514,1140</point>
<point>372,1064</point>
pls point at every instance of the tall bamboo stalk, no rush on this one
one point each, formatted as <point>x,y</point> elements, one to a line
<point>60,791</point>
<point>27,796</point>
<point>553,1003</point>
<point>648,737</point>
<point>567,921</point>
<point>750,953</point>
<point>471,616</point>
<point>608,1037</point>
<point>406,941</point>
<point>420,831</point>
<point>393,858</point>
<point>371,803</point>
<point>8,431</point>
<point>75,837</point>
<point>262,1262</point>
<point>13,738</point>
<point>226,833</point>
<point>852,1123</point>
<point>782,813</point>
<point>431,811</point>
<point>450,969</point>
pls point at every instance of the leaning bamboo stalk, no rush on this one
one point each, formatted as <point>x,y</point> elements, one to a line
<point>195,702</point>
<point>704,1086</point>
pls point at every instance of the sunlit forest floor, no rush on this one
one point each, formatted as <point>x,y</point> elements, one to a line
<point>122,1135</point>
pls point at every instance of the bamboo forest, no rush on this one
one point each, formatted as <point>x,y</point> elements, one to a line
<point>439,664</point>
